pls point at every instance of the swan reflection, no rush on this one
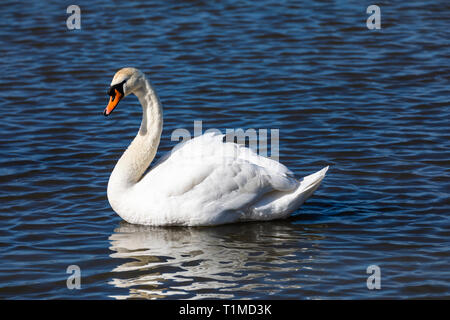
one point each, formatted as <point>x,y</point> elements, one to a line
<point>219,262</point>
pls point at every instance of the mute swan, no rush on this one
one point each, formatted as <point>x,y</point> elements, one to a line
<point>201,182</point>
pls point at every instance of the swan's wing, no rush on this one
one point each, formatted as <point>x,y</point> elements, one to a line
<point>216,176</point>
<point>211,144</point>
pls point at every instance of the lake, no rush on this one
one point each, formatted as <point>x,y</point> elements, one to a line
<point>371,103</point>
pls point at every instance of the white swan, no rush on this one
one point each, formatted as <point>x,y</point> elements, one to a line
<point>204,181</point>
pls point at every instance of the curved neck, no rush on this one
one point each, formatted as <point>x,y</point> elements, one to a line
<point>142,150</point>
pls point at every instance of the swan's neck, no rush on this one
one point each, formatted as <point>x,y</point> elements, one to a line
<point>142,150</point>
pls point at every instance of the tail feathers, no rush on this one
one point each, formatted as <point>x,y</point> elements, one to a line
<point>312,180</point>
<point>281,204</point>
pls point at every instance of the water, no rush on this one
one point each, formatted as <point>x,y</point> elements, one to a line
<point>373,104</point>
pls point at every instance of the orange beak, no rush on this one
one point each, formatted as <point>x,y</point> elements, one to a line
<point>112,103</point>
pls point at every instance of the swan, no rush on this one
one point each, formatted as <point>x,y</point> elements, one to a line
<point>201,182</point>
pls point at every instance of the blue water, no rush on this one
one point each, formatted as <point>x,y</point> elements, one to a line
<point>372,104</point>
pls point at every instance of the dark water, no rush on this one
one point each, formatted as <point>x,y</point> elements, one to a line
<point>373,104</point>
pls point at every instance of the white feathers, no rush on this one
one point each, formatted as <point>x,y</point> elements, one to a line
<point>207,182</point>
<point>203,181</point>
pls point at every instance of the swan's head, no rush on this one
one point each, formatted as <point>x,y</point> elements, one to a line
<point>125,81</point>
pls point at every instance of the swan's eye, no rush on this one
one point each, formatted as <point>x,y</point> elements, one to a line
<point>119,87</point>
<point>111,92</point>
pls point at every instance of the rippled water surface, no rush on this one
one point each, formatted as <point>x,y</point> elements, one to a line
<point>372,104</point>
